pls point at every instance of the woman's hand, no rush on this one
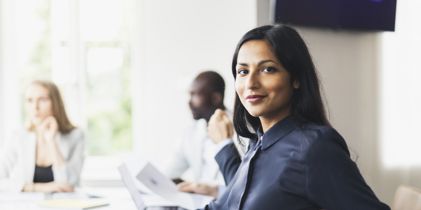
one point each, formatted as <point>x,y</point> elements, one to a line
<point>48,187</point>
<point>220,127</point>
<point>198,188</point>
<point>48,129</point>
<point>48,151</point>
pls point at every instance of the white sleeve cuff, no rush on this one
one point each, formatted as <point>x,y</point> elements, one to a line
<point>222,144</point>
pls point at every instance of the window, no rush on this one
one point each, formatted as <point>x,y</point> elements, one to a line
<point>400,90</point>
<point>84,47</point>
<point>105,51</point>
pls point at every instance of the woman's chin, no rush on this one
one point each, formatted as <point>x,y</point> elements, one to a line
<point>254,113</point>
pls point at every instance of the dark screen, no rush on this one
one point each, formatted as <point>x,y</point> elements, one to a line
<point>338,14</point>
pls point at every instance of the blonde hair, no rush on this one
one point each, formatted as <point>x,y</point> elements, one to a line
<point>57,106</point>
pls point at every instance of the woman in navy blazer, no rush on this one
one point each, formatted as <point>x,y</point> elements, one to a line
<point>295,159</point>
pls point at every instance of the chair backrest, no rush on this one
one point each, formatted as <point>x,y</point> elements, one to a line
<point>407,198</point>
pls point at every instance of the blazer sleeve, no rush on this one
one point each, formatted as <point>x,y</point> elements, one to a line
<point>333,179</point>
<point>71,170</point>
<point>228,160</point>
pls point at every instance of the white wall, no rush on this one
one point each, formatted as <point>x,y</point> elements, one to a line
<point>178,39</point>
<point>348,68</point>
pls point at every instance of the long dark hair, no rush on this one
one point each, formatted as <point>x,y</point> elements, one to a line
<point>290,49</point>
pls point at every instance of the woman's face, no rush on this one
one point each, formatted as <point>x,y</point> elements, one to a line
<point>262,83</point>
<point>38,103</point>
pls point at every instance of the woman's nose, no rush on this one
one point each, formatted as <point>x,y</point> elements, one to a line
<point>252,81</point>
<point>35,106</point>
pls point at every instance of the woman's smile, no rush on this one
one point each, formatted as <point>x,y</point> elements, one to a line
<point>255,98</point>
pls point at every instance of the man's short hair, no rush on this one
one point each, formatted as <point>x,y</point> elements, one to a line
<point>214,80</point>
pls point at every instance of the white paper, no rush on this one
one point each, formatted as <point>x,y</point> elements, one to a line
<point>142,197</point>
<point>132,167</point>
<point>161,185</point>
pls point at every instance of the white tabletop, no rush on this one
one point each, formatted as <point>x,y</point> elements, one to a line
<point>117,198</point>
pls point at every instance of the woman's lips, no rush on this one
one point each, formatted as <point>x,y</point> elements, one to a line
<point>254,98</point>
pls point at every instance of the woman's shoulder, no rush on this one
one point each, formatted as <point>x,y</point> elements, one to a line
<point>323,145</point>
<point>322,139</point>
<point>75,134</point>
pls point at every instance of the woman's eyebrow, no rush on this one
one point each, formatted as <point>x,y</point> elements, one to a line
<point>260,63</point>
<point>265,61</point>
<point>242,64</point>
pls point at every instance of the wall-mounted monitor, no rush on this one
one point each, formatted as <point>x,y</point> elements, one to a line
<point>371,15</point>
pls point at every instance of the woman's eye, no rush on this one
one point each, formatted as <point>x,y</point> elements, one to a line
<point>269,69</point>
<point>242,71</point>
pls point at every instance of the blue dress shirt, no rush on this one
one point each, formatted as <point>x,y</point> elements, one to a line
<point>294,166</point>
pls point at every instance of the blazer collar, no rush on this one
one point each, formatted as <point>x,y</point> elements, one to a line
<point>276,132</point>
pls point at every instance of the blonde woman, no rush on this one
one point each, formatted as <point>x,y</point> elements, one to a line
<point>46,156</point>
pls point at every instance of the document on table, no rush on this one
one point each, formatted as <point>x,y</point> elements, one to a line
<point>161,185</point>
<point>141,195</point>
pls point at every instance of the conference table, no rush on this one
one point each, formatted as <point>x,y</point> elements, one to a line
<point>115,198</point>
